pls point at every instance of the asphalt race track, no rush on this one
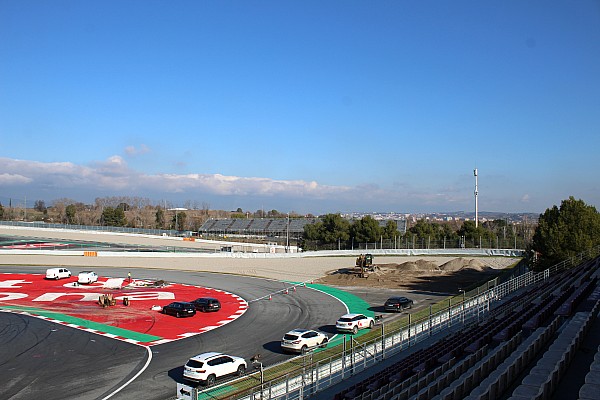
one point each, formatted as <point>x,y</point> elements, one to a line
<point>40,359</point>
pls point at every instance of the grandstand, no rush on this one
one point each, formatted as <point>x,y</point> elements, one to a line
<point>267,226</point>
<point>533,344</point>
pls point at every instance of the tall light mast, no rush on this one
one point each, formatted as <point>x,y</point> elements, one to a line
<point>476,205</point>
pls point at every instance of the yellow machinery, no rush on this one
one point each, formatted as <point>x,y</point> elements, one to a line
<point>364,265</point>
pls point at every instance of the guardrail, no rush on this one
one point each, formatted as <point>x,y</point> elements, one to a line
<point>308,374</point>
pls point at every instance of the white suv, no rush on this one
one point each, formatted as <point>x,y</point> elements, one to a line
<point>57,273</point>
<point>87,277</point>
<point>207,367</point>
<point>301,340</point>
<point>354,322</point>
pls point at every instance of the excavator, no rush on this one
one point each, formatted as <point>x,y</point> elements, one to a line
<point>364,265</point>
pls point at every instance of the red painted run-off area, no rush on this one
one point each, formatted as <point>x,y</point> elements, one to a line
<point>33,291</point>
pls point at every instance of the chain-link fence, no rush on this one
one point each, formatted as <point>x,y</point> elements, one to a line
<point>100,228</point>
<point>414,242</point>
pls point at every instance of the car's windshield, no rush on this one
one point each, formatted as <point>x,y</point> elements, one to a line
<point>345,319</point>
<point>290,337</point>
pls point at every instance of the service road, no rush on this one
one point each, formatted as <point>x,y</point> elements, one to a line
<point>40,359</point>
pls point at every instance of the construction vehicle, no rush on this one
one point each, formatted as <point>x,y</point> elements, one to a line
<point>364,265</point>
<point>107,300</point>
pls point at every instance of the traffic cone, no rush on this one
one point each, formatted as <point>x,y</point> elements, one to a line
<point>270,297</point>
<point>294,288</point>
<point>286,291</point>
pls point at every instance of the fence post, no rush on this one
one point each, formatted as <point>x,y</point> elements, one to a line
<point>449,314</point>
<point>382,341</point>
<point>352,356</point>
<point>408,330</point>
<point>430,320</point>
<point>344,357</point>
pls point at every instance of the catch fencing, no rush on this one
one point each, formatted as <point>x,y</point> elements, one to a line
<point>348,355</point>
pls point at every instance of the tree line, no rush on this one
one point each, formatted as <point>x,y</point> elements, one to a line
<point>335,232</point>
<point>561,232</point>
<point>132,212</point>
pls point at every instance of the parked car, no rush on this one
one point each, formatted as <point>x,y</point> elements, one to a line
<point>302,340</point>
<point>180,309</point>
<point>87,277</point>
<point>397,304</point>
<point>57,273</point>
<point>353,322</point>
<point>207,304</point>
<point>207,367</point>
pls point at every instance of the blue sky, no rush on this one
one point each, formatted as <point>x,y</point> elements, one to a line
<point>312,106</point>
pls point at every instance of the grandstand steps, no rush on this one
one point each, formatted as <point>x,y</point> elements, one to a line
<point>536,350</point>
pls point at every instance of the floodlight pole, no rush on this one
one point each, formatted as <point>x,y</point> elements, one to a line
<point>476,205</point>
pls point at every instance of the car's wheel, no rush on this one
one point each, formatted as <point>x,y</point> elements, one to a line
<point>177,315</point>
<point>210,380</point>
<point>324,343</point>
<point>304,349</point>
<point>355,329</point>
<point>371,324</point>
<point>241,370</point>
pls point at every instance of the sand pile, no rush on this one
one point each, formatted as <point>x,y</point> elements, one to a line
<point>445,277</point>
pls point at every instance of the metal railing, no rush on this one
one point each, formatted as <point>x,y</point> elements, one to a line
<point>308,374</point>
<point>98,228</point>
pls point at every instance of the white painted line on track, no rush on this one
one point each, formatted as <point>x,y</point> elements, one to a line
<point>135,376</point>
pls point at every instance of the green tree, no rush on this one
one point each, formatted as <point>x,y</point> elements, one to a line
<point>365,230</point>
<point>160,218</point>
<point>424,229</point>
<point>566,231</point>
<point>179,220</point>
<point>390,230</point>
<point>475,234</point>
<point>334,229</point>
<point>311,231</point>
<point>70,214</point>
<point>447,233</point>
<point>1,212</point>
<point>113,217</point>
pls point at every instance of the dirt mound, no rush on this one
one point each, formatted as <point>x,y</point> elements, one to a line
<point>461,263</point>
<point>447,277</point>
<point>411,266</point>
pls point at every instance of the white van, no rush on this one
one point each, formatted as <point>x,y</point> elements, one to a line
<point>57,273</point>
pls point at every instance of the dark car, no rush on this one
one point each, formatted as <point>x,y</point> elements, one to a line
<point>207,304</point>
<point>397,303</point>
<point>180,309</point>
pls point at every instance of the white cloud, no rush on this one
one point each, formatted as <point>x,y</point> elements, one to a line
<point>13,179</point>
<point>113,176</point>
<point>133,151</point>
